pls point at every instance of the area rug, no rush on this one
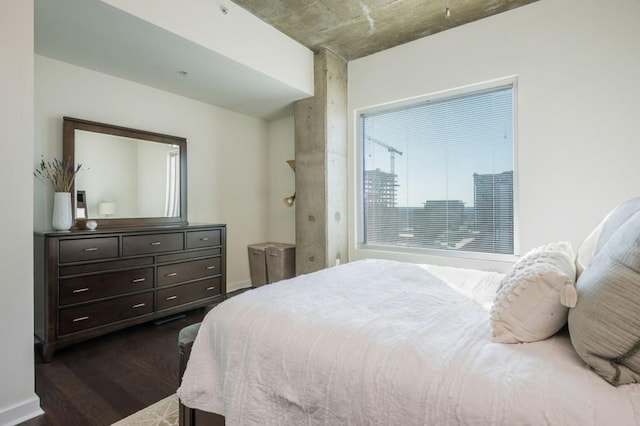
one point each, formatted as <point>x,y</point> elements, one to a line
<point>162,413</point>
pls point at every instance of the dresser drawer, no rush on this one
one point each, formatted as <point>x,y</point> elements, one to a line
<point>179,295</point>
<point>91,315</point>
<point>154,243</point>
<point>187,271</point>
<point>186,255</point>
<point>111,265</point>
<point>88,249</point>
<point>208,238</point>
<point>75,290</point>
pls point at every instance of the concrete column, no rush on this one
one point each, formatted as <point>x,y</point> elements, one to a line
<point>321,167</point>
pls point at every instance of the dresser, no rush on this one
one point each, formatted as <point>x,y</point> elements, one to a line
<point>89,283</point>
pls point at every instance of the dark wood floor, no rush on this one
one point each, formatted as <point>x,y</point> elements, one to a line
<point>103,380</point>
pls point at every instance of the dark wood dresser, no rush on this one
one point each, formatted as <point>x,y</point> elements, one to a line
<point>88,283</point>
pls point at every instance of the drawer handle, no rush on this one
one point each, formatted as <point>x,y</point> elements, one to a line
<point>273,254</point>
<point>172,297</point>
<point>204,239</point>
<point>155,243</point>
<point>171,274</point>
<point>211,267</point>
<point>257,252</point>
<point>139,280</point>
<point>80,290</point>
<point>80,319</point>
<point>91,249</point>
<point>210,288</point>
<point>139,305</point>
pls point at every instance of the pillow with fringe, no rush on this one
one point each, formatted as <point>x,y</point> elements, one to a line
<point>533,299</point>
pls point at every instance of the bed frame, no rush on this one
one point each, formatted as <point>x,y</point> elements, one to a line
<point>190,416</point>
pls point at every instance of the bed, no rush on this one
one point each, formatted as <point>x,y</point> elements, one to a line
<point>379,342</point>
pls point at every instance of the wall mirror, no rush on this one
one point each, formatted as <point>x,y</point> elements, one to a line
<point>129,177</point>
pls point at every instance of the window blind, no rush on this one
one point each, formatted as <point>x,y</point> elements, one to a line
<point>439,174</point>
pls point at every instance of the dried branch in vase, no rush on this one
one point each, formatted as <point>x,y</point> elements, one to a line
<point>58,174</point>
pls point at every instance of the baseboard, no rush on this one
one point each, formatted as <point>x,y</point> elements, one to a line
<point>21,412</point>
<point>238,286</point>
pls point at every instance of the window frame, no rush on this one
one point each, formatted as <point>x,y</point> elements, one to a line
<point>477,88</point>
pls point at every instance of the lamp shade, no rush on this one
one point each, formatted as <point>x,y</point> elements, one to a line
<point>106,208</point>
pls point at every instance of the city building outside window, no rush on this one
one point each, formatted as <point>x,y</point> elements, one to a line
<point>439,173</point>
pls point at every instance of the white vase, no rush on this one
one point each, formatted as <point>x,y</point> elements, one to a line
<point>62,219</point>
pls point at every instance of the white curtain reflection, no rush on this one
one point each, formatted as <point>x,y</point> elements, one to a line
<point>172,204</point>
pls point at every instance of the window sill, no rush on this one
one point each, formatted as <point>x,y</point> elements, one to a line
<point>474,260</point>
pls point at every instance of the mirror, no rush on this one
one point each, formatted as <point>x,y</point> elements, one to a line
<point>129,177</point>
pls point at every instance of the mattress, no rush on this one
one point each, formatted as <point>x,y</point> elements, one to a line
<point>378,342</point>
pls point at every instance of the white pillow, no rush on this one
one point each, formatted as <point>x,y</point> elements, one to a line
<point>527,306</point>
<point>599,236</point>
<point>587,249</point>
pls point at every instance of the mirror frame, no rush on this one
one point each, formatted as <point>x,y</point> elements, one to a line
<point>70,125</point>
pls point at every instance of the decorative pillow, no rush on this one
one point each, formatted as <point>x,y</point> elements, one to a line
<point>527,306</point>
<point>605,324</point>
<point>599,236</point>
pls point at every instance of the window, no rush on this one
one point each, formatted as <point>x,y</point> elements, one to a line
<point>439,174</point>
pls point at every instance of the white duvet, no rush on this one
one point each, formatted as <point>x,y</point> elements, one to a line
<point>378,342</point>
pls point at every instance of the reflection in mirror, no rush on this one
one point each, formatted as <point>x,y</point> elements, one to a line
<point>81,205</point>
<point>125,177</point>
<point>129,177</point>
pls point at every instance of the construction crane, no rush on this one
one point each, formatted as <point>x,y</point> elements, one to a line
<point>392,152</point>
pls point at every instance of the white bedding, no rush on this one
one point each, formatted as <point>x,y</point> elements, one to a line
<point>378,342</point>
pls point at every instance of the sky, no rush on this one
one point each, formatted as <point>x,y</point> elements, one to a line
<point>443,143</point>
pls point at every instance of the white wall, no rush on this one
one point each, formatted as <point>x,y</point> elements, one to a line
<point>17,398</point>
<point>227,152</point>
<point>282,219</point>
<point>578,69</point>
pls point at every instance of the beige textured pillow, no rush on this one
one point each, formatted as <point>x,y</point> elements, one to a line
<point>527,306</point>
<point>605,324</point>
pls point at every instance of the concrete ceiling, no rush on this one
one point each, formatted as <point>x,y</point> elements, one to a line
<point>356,28</point>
